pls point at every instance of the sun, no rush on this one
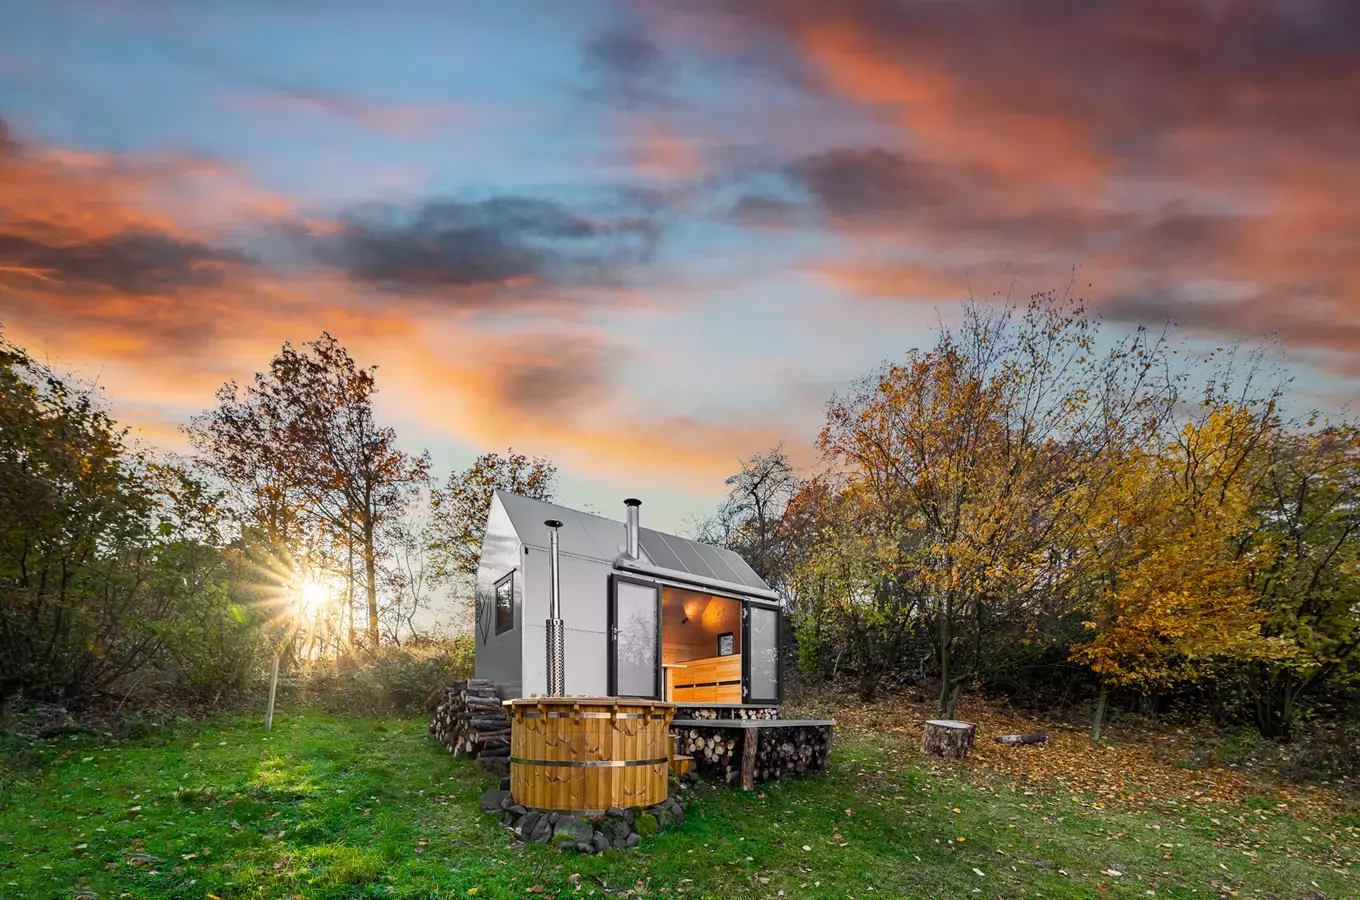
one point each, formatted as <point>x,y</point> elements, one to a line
<point>312,595</point>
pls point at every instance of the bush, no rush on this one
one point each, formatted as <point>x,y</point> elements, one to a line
<point>115,572</point>
<point>399,679</point>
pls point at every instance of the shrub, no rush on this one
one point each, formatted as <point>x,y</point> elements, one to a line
<point>397,679</point>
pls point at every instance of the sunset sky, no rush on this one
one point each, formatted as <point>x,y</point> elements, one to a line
<point>647,238</point>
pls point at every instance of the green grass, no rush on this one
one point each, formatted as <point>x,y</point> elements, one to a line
<point>328,807</point>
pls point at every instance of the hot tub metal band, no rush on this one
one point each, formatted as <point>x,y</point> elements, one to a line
<point>589,763</point>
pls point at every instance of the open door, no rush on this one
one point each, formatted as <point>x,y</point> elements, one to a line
<point>634,638</point>
<point>760,675</point>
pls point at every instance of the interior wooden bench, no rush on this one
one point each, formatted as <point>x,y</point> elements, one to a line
<point>716,679</point>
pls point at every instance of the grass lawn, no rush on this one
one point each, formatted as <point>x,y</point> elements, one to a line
<point>331,807</point>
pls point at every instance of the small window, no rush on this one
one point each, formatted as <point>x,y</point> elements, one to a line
<point>505,604</point>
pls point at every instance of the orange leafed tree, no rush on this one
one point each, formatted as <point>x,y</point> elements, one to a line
<point>970,461</point>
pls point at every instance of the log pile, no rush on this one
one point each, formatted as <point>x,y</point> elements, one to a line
<point>707,712</point>
<point>749,755</point>
<point>469,721</point>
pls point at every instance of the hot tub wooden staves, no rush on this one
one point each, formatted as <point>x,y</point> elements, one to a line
<point>585,754</point>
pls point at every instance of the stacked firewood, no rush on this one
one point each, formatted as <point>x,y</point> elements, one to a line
<point>705,712</point>
<point>470,722</point>
<point>761,713</point>
<point>781,752</point>
<point>714,751</point>
<point>747,755</point>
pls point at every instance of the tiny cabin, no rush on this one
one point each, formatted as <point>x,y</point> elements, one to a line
<point>644,614</point>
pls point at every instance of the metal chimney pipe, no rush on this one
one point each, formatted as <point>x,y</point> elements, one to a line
<point>633,505</point>
<point>557,680</point>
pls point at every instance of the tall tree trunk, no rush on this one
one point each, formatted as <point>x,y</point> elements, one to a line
<point>371,575</point>
<point>949,694</point>
<point>1099,718</point>
<point>350,541</point>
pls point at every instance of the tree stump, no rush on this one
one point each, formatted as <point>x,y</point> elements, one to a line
<point>947,738</point>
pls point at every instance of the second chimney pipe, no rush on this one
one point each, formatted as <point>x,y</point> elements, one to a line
<point>633,505</point>
<point>557,675</point>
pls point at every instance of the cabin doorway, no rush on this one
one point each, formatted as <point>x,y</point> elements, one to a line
<point>701,647</point>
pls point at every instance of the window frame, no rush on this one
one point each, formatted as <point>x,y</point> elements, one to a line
<point>497,630</point>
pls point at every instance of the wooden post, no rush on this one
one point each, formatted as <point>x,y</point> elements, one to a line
<point>273,686</point>
<point>750,742</point>
<point>947,738</point>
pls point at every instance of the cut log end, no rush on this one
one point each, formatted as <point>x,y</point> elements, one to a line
<point>947,738</point>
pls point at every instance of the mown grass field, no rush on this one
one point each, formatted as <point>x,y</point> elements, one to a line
<point>329,807</point>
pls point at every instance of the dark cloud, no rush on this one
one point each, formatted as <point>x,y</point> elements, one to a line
<point>764,211</point>
<point>627,68</point>
<point>448,244</point>
<point>1308,315</point>
<point>8,145</point>
<point>855,182</point>
<point>558,382</point>
<point>137,262</point>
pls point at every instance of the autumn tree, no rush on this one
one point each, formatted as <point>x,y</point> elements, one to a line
<point>1167,598</point>
<point>856,607</point>
<point>408,575</point>
<point>302,444</point>
<point>750,520</point>
<point>1302,561</point>
<point>459,509</point>
<point>966,457</point>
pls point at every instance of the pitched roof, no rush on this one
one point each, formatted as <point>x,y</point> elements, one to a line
<point>595,537</point>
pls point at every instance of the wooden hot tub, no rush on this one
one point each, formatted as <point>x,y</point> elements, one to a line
<point>585,754</point>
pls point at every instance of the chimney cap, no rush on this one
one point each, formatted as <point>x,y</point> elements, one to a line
<point>632,501</point>
<point>552,523</point>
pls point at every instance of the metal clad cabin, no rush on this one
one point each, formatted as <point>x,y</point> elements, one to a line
<point>673,619</point>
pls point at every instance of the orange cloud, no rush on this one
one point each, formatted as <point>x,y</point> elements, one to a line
<point>109,271</point>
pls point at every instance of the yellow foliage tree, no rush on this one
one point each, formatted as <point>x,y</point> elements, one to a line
<point>1166,596</point>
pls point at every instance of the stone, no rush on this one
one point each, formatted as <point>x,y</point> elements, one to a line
<point>526,824</point>
<point>585,848</point>
<point>517,810</point>
<point>633,840</point>
<point>507,818</point>
<point>553,817</point>
<point>616,830</point>
<point>646,824</point>
<point>505,784</point>
<point>663,819</point>
<point>491,800</point>
<point>615,812</point>
<point>601,842</point>
<point>679,813</point>
<point>507,801</point>
<point>574,830</point>
<point>542,832</point>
